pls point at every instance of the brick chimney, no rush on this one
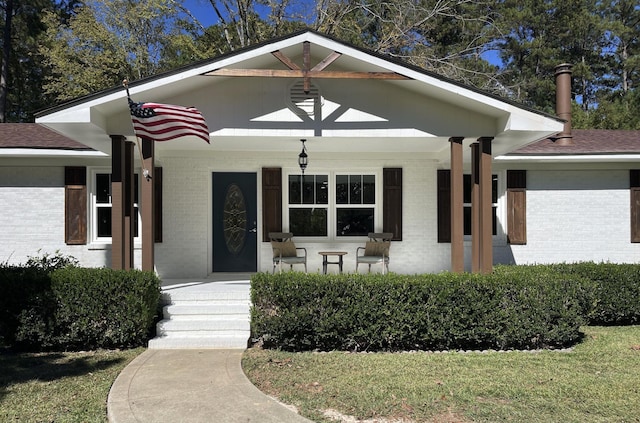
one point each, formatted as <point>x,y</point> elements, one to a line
<point>563,103</point>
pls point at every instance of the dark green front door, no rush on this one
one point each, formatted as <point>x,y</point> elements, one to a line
<point>235,235</point>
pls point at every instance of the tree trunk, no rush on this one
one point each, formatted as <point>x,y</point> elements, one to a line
<point>4,67</point>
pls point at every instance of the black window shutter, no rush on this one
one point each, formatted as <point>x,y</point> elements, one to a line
<point>392,202</point>
<point>75,199</point>
<point>271,201</point>
<point>517,207</point>
<point>444,205</point>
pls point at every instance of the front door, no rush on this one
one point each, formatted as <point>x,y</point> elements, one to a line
<point>235,234</point>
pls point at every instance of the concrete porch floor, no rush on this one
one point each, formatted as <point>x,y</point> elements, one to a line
<point>213,282</point>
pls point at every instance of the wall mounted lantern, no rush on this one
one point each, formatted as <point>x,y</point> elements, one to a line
<point>303,160</point>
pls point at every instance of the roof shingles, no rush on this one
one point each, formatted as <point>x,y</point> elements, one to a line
<point>35,136</point>
<point>588,141</point>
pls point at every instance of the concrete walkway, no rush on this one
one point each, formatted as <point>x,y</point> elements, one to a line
<point>192,385</point>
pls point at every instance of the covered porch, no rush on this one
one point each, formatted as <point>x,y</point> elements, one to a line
<point>360,114</point>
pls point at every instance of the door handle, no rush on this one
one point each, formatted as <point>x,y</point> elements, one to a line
<point>254,230</point>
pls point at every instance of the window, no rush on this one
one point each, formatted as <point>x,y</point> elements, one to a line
<point>444,204</point>
<point>101,206</point>
<point>308,204</point>
<point>467,204</point>
<point>332,205</point>
<point>355,201</point>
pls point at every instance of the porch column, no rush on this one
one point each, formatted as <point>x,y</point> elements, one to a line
<point>121,203</point>
<point>475,209</point>
<point>147,206</point>
<point>129,212</point>
<point>457,206</point>
<point>486,209</point>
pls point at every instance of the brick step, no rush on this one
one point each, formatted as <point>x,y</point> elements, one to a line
<point>204,316</point>
<point>205,308</point>
<point>202,324</point>
<point>200,341</point>
<point>179,297</point>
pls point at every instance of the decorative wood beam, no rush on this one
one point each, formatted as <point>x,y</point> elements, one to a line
<point>285,60</point>
<point>290,73</point>
<point>306,72</point>
<point>326,61</point>
<point>306,64</point>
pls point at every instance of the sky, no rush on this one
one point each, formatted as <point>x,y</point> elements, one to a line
<point>203,11</point>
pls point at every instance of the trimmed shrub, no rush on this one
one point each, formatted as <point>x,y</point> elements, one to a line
<point>21,289</point>
<point>509,309</point>
<point>77,308</point>
<point>617,291</point>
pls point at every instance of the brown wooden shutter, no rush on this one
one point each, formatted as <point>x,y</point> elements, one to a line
<point>157,207</point>
<point>634,187</point>
<point>392,202</point>
<point>517,207</point>
<point>444,205</point>
<point>271,201</point>
<point>75,200</point>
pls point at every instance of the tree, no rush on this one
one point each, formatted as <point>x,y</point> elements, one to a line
<point>448,37</point>
<point>21,72</point>
<point>106,41</point>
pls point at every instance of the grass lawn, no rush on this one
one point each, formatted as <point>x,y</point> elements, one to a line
<point>597,381</point>
<point>59,387</point>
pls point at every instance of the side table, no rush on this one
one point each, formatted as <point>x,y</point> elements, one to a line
<point>325,259</point>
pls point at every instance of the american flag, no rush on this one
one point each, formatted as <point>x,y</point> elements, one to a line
<point>164,122</point>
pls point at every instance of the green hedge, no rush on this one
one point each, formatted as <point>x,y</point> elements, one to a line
<point>20,288</point>
<point>617,291</point>
<point>77,308</point>
<point>508,309</point>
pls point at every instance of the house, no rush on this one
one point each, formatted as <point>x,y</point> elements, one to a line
<point>390,147</point>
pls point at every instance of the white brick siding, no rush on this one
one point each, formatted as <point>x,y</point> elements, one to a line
<point>32,210</point>
<point>572,215</point>
<point>577,215</point>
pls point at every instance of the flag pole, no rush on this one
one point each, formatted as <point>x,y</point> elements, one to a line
<point>145,172</point>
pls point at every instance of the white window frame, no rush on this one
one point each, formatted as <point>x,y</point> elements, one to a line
<point>93,206</point>
<point>332,206</point>
<point>500,204</point>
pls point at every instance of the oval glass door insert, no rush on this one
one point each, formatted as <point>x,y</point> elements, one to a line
<point>235,219</point>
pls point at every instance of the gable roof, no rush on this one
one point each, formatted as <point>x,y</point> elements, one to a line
<point>434,108</point>
<point>274,41</point>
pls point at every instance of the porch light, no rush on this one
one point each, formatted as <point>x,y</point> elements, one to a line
<point>302,157</point>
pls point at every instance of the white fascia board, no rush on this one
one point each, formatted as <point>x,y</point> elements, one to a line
<point>49,152</point>
<point>76,114</point>
<point>80,113</point>
<point>577,158</point>
<point>221,63</point>
<point>524,120</point>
